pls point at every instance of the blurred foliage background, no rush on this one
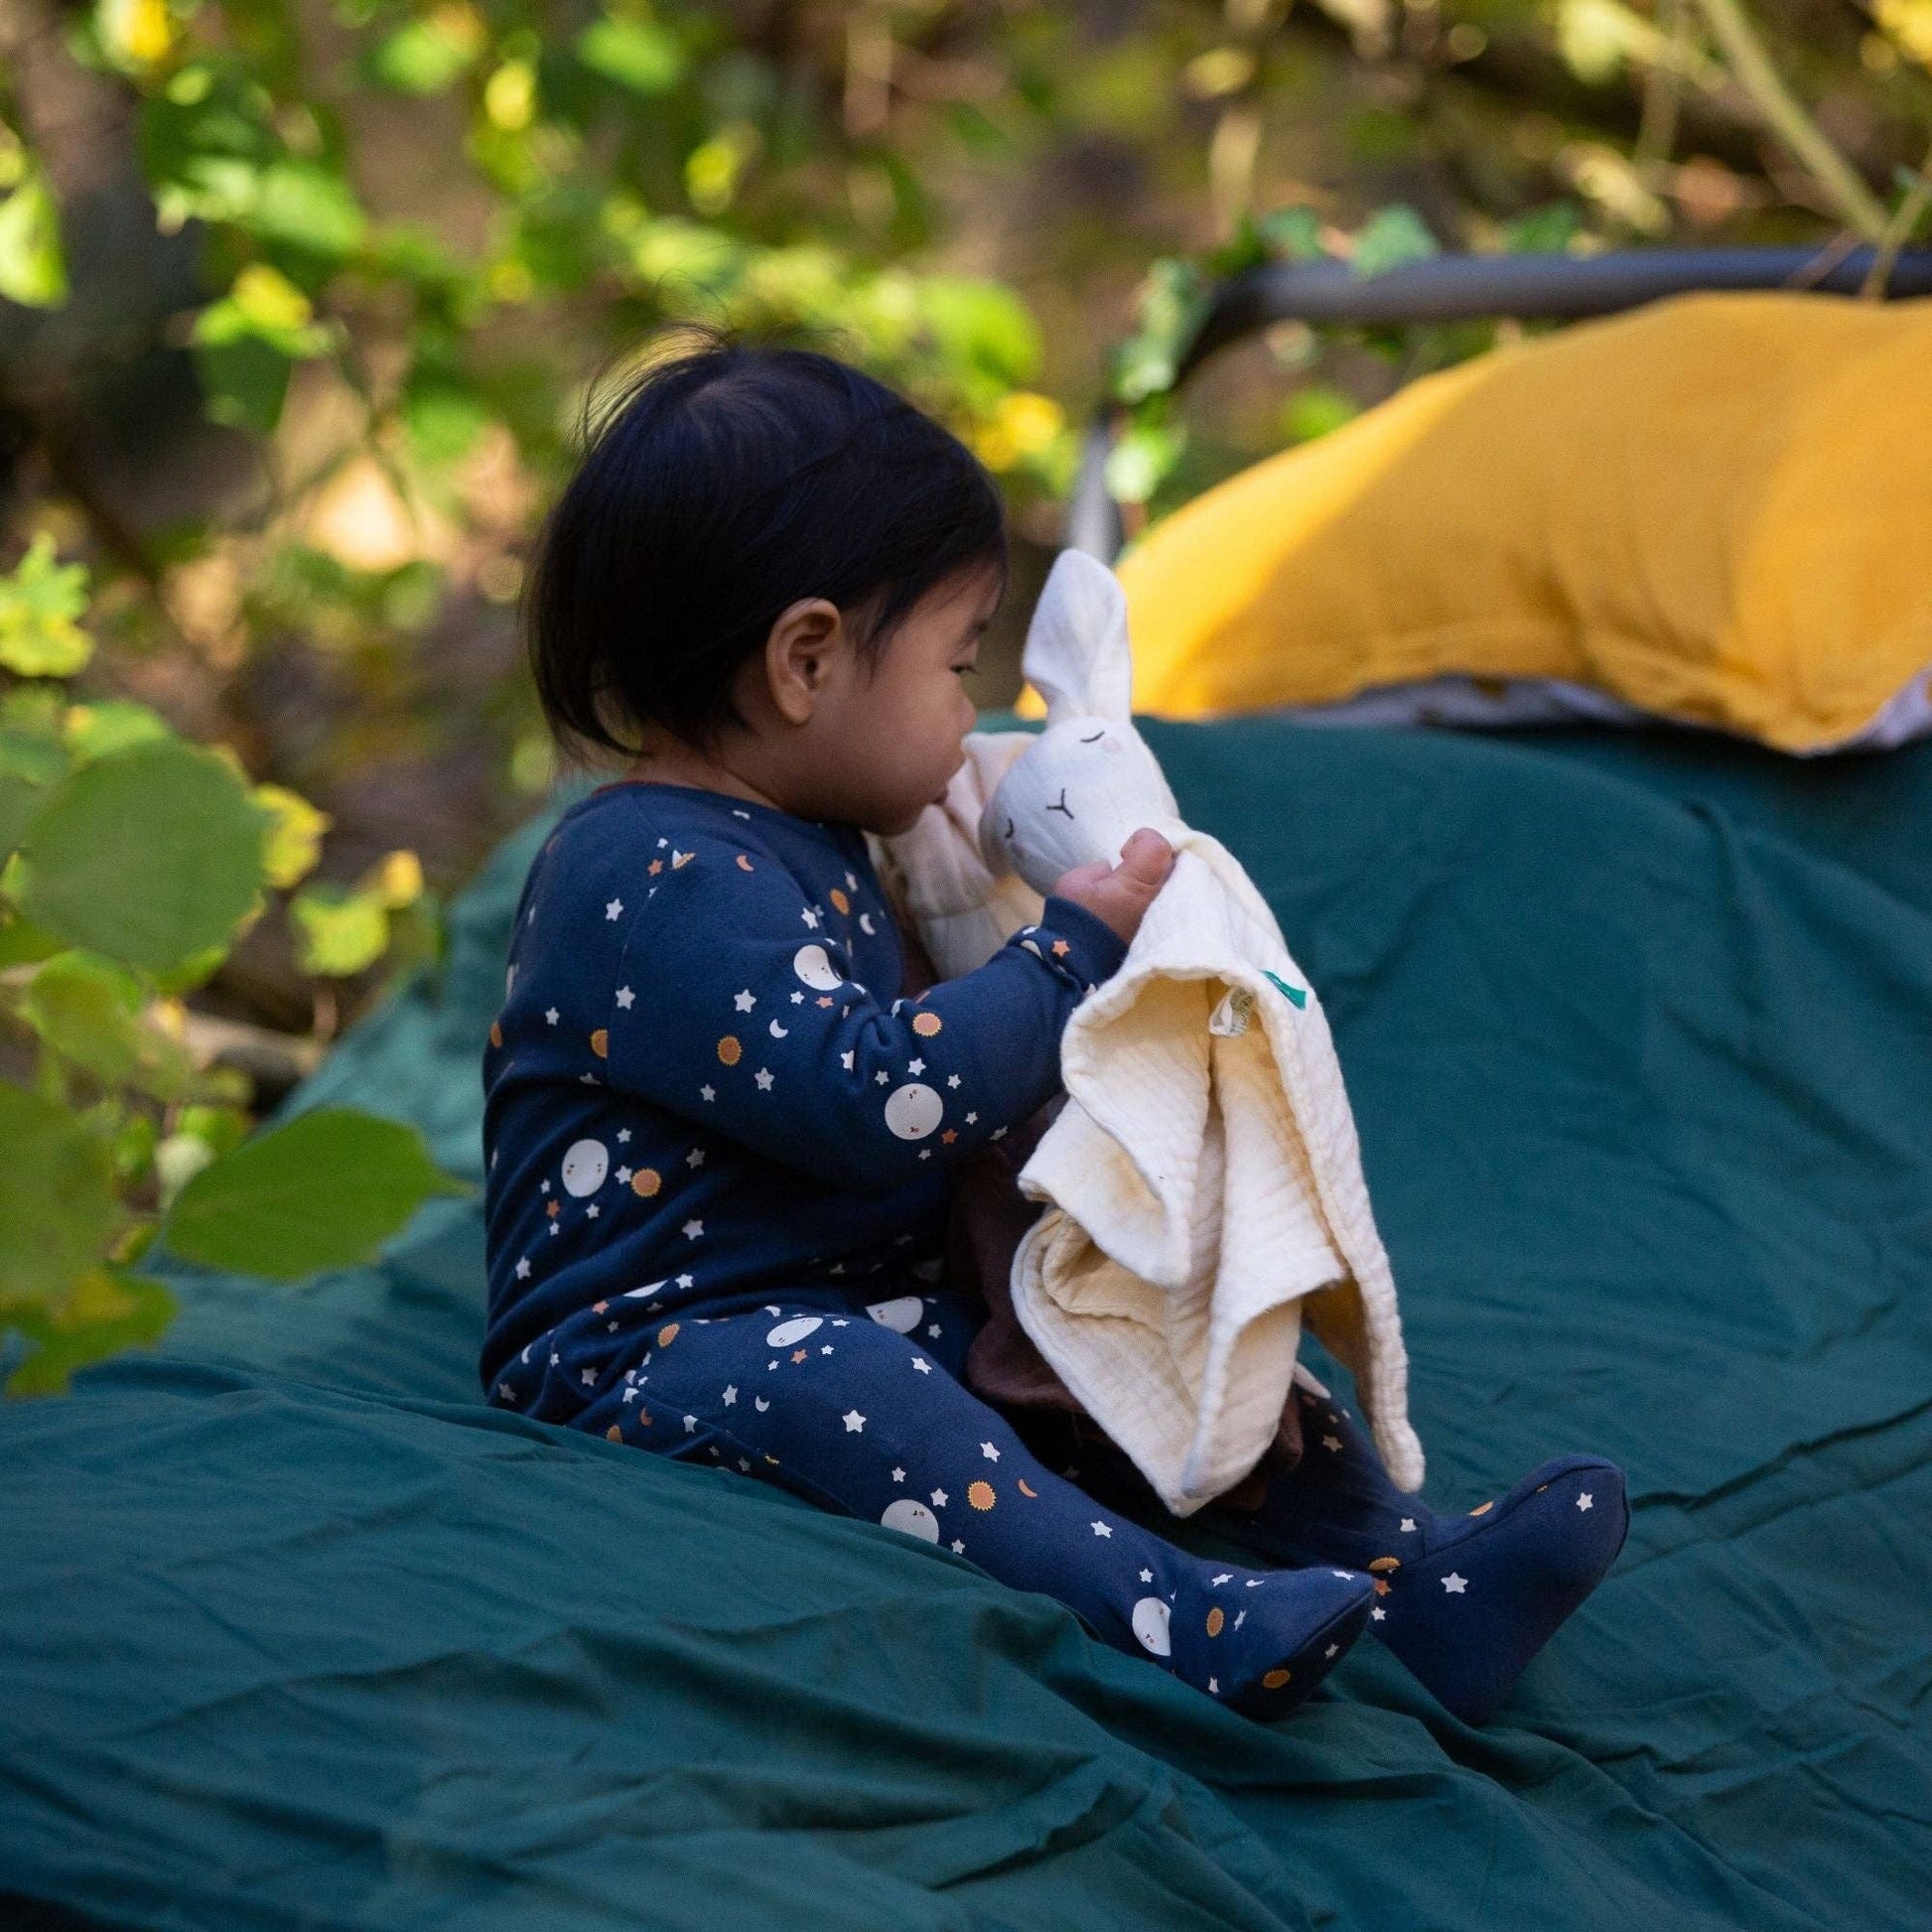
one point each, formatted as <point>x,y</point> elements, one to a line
<point>301,303</point>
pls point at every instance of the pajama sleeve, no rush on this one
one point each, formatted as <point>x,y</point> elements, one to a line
<point>735,1005</point>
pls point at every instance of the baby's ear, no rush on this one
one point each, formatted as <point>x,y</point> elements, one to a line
<point>1077,656</point>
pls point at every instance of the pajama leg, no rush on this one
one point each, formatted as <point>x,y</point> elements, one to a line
<point>863,1420</point>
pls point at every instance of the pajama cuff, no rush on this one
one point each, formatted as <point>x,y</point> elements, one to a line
<point>1096,949</point>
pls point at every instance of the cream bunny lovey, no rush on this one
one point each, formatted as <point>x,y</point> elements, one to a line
<point>1202,1187</point>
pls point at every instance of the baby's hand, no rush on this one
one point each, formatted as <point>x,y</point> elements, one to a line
<point>1119,896</point>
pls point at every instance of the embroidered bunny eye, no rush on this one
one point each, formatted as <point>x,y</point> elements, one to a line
<point>1095,738</point>
<point>1008,828</point>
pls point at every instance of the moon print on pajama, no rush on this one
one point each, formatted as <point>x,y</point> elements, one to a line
<point>717,1137</point>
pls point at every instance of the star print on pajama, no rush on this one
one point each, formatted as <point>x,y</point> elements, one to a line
<point>721,1087</point>
<point>871,1422</point>
<point>1465,1602</point>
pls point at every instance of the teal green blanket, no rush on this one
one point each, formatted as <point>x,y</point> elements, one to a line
<point>1639,1037</point>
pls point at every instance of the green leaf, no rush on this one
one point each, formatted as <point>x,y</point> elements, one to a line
<point>1392,237</point>
<point>89,1011</point>
<point>424,57</point>
<point>640,54</point>
<point>307,206</point>
<point>292,839</point>
<point>39,603</point>
<point>1144,456</point>
<point>33,724</point>
<point>149,856</point>
<point>106,1314</point>
<point>58,1210</point>
<point>984,331</point>
<point>1316,409</point>
<point>22,942</point>
<point>19,800</point>
<point>323,1191</point>
<point>99,730</point>
<point>33,270</point>
<point>1546,230</point>
<point>1294,233</point>
<point>247,381</point>
<point>1172,300</point>
<point>444,416</point>
<point>340,931</point>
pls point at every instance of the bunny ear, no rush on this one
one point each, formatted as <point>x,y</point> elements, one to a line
<point>1077,656</point>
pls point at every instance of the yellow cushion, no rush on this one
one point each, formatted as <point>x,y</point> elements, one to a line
<point>1718,508</point>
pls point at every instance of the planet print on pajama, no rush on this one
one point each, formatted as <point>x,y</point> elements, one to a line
<point>913,1111</point>
<point>911,1518</point>
<point>586,1163</point>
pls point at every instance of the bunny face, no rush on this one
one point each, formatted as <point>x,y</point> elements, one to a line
<point>1078,792</point>
<point>1088,782</point>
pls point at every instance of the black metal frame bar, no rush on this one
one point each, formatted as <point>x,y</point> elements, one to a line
<point>1463,288</point>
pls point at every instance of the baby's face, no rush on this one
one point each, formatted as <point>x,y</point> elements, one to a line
<point>899,723</point>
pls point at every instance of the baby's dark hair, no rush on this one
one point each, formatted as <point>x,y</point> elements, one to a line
<point>722,482</point>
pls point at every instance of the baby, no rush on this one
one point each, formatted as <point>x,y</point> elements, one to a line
<point>721,1129</point>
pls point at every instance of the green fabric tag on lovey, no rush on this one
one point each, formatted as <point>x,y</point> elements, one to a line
<point>1296,995</point>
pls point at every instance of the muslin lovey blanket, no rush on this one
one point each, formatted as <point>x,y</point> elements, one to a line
<point>1202,1187</point>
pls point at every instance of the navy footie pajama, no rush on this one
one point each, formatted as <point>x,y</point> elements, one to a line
<point>718,1140</point>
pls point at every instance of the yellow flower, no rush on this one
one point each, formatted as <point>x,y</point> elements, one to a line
<point>138,33</point>
<point>1909,22</point>
<point>1022,425</point>
<point>267,298</point>
<point>398,881</point>
<point>510,96</point>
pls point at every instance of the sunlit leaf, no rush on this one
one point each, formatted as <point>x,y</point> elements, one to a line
<point>309,207</point>
<point>148,856</point>
<point>58,1210</point>
<point>39,600</point>
<point>91,1012</point>
<point>106,1312</point>
<point>340,931</point>
<point>292,840</point>
<point>1167,313</point>
<point>136,32</point>
<point>397,880</point>
<point>323,1191</point>
<point>426,55</point>
<point>981,325</point>
<point>99,730</point>
<point>1145,454</point>
<point>33,269</point>
<point>1316,409</point>
<point>641,54</point>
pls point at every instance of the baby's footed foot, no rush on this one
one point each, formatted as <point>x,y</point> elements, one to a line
<point>1259,1641</point>
<point>1465,1601</point>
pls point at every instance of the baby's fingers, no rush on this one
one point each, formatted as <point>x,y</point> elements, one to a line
<point>1146,859</point>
